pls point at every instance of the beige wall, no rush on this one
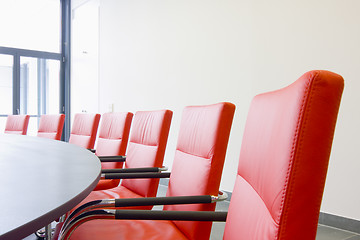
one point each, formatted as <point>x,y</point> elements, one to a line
<point>170,54</point>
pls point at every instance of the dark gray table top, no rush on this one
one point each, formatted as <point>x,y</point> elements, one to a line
<point>41,179</point>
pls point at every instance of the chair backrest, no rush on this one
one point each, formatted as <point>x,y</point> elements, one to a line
<point>17,124</point>
<point>146,148</point>
<point>283,162</point>
<point>51,126</point>
<point>199,159</point>
<point>84,129</point>
<point>113,136</point>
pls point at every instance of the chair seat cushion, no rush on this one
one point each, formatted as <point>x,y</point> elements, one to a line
<point>118,192</point>
<point>127,229</point>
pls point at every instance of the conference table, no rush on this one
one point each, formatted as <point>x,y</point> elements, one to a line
<point>40,180</point>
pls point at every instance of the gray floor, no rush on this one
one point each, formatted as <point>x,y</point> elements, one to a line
<point>323,232</point>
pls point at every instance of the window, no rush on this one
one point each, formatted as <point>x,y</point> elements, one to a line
<point>34,70</point>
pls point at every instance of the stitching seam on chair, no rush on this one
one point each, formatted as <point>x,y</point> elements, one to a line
<point>80,135</point>
<point>194,154</point>
<point>302,120</point>
<point>263,200</point>
<point>142,144</point>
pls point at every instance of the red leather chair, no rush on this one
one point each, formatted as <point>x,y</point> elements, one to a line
<point>112,141</point>
<point>196,170</point>
<point>146,148</point>
<point>51,126</point>
<point>284,159</point>
<point>281,173</point>
<point>17,124</point>
<point>84,129</point>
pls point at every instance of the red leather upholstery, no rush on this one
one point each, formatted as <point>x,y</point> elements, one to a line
<point>51,126</point>
<point>17,124</point>
<point>197,169</point>
<point>199,160</point>
<point>146,148</point>
<point>283,161</point>
<point>84,129</point>
<point>112,141</point>
<point>128,230</point>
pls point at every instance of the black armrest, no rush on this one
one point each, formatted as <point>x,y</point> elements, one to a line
<point>150,201</point>
<point>135,175</point>
<point>91,150</point>
<point>112,158</point>
<point>133,170</point>
<point>132,202</point>
<point>171,215</point>
<point>142,215</point>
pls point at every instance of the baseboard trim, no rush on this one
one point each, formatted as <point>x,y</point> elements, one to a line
<point>339,222</point>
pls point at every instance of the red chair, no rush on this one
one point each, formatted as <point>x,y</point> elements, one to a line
<point>84,129</point>
<point>284,158</point>
<point>146,148</point>
<point>112,141</point>
<point>197,169</point>
<point>17,124</point>
<point>51,126</point>
<point>281,173</point>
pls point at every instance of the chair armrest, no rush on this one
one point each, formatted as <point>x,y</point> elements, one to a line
<point>150,201</point>
<point>112,158</point>
<point>132,202</point>
<point>142,215</point>
<point>135,175</point>
<point>169,215</point>
<point>134,170</point>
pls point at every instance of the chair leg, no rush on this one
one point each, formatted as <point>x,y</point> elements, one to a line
<point>48,232</point>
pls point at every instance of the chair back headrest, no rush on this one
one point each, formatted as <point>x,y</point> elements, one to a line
<point>17,124</point>
<point>84,129</point>
<point>199,160</point>
<point>146,148</point>
<point>284,158</point>
<point>51,126</point>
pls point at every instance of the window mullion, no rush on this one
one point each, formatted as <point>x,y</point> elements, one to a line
<point>16,84</point>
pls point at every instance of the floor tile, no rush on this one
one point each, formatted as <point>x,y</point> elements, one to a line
<point>356,237</point>
<point>329,233</point>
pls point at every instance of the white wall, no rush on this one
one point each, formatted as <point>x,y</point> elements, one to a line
<point>84,56</point>
<point>169,54</point>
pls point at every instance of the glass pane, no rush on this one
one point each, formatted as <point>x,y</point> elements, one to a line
<point>39,89</point>
<point>6,83</point>
<point>53,93</point>
<point>28,86</point>
<point>31,24</point>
